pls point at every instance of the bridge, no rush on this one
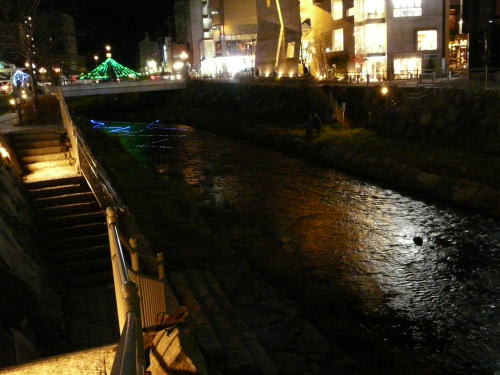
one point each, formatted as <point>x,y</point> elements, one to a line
<point>106,88</point>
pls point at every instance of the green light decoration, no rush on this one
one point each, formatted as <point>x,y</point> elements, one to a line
<point>110,70</point>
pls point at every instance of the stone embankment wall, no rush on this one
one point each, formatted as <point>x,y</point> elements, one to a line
<point>29,311</point>
<point>466,119</point>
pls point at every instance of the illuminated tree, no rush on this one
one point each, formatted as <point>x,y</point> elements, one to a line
<point>110,70</point>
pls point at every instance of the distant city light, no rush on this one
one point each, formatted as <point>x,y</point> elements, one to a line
<point>384,90</point>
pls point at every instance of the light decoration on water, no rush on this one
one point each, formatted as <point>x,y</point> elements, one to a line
<point>384,90</point>
<point>110,69</point>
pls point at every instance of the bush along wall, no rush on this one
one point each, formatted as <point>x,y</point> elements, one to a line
<point>460,118</point>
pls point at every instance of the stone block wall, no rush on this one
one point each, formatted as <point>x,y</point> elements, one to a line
<point>460,118</point>
<point>29,310</point>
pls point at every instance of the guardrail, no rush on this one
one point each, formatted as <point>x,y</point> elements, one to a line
<point>104,88</point>
<point>140,298</point>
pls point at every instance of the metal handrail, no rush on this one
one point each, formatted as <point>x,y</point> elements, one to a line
<point>81,149</point>
<point>130,354</point>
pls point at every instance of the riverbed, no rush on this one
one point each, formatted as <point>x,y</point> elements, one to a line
<point>433,269</point>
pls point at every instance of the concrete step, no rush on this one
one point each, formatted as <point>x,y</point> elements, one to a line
<point>234,349</point>
<point>23,138</point>
<point>52,191</point>
<point>97,360</point>
<point>33,167</point>
<point>95,279</point>
<point>69,220</point>
<point>39,151</point>
<point>80,230</point>
<point>92,320</point>
<point>94,252</point>
<point>86,267</point>
<point>51,174</point>
<point>201,328</point>
<point>41,158</point>
<point>68,209</point>
<point>239,360</point>
<point>56,182</point>
<point>82,242</point>
<point>260,356</point>
<point>38,143</point>
<point>59,200</point>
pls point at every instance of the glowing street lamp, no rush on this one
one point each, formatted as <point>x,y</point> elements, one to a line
<point>108,47</point>
<point>184,56</point>
<point>96,58</point>
<point>384,90</point>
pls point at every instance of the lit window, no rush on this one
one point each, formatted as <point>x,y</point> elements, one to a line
<point>338,40</point>
<point>268,2</point>
<point>407,67</point>
<point>407,8</point>
<point>370,38</point>
<point>337,9</point>
<point>290,50</point>
<point>368,9</point>
<point>426,40</point>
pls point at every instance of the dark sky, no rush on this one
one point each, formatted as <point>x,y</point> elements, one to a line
<point>121,24</point>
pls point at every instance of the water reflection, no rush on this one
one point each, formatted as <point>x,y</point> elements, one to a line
<point>359,235</point>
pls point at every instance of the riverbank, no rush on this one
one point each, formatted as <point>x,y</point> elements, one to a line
<point>270,116</point>
<point>465,179</point>
<point>193,233</point>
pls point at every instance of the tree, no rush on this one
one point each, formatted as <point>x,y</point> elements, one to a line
<point>22,30</point>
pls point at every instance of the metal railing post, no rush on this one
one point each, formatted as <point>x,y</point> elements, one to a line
<point>131,304</point>
<point>134,255</point>
<point>114,244</point>
<point>161,267</point>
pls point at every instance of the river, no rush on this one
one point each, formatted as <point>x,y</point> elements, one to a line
<point>433,267</point>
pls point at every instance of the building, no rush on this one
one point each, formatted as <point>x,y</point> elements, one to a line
<point>278,37</point>
<point>227,37</point>
<point>482,25</point>
<point>64,50</point>
<point>151,55</point>
<point>376,38</point>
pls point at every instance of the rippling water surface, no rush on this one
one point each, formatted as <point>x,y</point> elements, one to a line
<point>358,234</point>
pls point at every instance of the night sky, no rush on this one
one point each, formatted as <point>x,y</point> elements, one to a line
<point>121,24</point>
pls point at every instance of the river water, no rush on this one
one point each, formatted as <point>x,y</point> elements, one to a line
<point>359,235</point>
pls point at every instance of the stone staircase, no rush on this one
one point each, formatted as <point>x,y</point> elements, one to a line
<point>76,246</point>
<point>74,233</point>
<point>228,344</point>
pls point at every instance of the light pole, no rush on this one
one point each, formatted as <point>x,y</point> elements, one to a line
<point>96,58</point>
<point>108,50</point>
<point>184,57</point>
<point>57,71</point>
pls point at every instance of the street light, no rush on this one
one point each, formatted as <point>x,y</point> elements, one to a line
<point>96,58</point>
<point>184,55</point>
<point>108,47</point>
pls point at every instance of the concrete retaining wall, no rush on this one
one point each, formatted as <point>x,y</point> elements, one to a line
<point>461,118</point>
<point>29,309</point>
<point>8,119</point>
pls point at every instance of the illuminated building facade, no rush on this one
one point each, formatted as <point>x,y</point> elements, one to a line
<point>278,40</point>
<point>227,37</point>
<point>379,38</point>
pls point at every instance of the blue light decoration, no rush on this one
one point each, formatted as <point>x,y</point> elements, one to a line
<point>153,124</point>
<point>97,124</point>
<point>20,79</point>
